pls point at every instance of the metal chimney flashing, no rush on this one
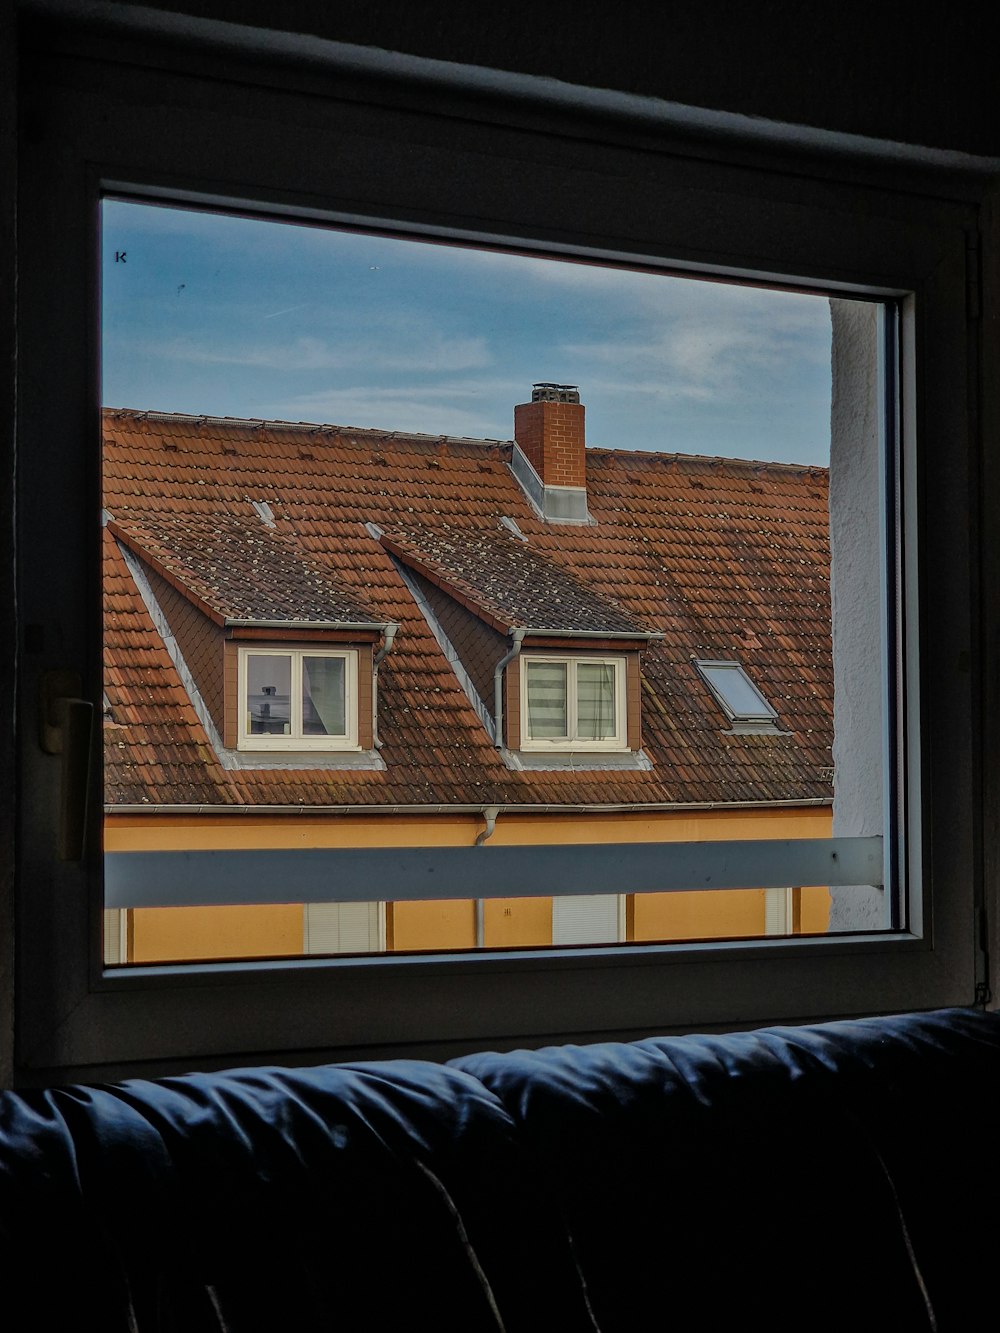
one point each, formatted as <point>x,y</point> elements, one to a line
<point>554,504</point>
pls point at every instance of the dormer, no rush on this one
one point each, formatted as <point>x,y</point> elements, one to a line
<point>278,659</point>
<point>551,665</point>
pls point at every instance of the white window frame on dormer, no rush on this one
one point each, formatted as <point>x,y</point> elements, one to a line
<point>573,741</point>
<point>295,739</point>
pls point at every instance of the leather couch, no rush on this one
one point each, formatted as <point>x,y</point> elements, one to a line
<point>836,1177</point>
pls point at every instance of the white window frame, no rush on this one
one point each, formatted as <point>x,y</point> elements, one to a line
<point>295,740</point>
<point>573,742</point>
<point>529,173</point>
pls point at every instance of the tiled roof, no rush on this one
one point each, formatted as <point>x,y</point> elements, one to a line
<point>238,568</point>
<point>152,740</point>
<point>507,581</point>
<point>726,559</point>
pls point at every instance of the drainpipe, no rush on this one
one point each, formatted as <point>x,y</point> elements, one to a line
<point>490,813</point>
<point>388,637</point>
<point>498,670</point>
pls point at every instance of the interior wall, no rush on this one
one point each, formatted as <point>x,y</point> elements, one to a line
<point>852,68</point>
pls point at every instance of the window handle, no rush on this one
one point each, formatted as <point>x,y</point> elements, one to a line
<point>66,724</point>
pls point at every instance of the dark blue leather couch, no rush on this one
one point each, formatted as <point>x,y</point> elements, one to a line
<point>838,1177</point>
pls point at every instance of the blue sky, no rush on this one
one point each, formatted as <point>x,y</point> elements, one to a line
<point>238,317</point>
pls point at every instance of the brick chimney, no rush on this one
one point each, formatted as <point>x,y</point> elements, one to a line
<point>549,431</point>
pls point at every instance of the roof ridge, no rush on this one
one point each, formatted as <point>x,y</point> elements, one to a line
<point>306,427</point>
<point>487,442</point>
<point>656,455</point>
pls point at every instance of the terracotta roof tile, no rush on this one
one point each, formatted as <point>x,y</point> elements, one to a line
<point>727,559</point>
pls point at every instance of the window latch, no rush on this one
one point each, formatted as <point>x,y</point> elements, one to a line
<point>65,727</point>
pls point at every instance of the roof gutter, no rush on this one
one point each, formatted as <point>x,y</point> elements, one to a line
<point>518,638</point>
<point>631,807</point>
<point>388,638</point>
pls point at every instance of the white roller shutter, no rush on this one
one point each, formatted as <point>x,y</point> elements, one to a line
<point>587,919</point>
<point>342,928</point>
<point>115,941</point>
<point>777,911</point>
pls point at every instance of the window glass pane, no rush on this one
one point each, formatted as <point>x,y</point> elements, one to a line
<point>475,590</point>
<point>595,700</point>
<point>269,694</point>
<point>324,701</point>
<point>545,687</point>
<point>738,693</point>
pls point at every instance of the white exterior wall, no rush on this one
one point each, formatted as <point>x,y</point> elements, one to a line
<point>856,599</point>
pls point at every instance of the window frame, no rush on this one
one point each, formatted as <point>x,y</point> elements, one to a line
<point>295,740</point>
<point>617,744</point>
<point>759,719</point>
<point>170,125</point>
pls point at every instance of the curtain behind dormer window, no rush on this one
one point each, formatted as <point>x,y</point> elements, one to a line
<point>595,701</point>
<point>547,699</point>
<point>324,696</point>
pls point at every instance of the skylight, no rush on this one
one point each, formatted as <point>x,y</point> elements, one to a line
<point>736,692</point>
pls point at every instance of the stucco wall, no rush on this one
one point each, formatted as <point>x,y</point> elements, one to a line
<point>855,597</point>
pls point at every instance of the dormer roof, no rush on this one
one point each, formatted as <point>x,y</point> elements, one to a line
<point>239,570</point>
<point>509,584</point>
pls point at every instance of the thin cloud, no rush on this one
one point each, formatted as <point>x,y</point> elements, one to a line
<point>696,358</point>
<point>433,354</point>
<point>477,408</point>
<point>290,310</point>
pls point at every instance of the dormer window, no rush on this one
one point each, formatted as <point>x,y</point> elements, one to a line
<point>298,699</point>
<point>738,696</point>
<point>573,703</point>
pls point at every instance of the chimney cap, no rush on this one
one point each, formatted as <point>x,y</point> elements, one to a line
<point>546,392</point>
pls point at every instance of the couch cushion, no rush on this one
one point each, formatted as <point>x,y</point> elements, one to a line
<point>814,1178</point>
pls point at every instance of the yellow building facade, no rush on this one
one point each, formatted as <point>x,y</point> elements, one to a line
<point>161,934</point>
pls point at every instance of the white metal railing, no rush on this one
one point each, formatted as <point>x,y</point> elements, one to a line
<point>396,874</point>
